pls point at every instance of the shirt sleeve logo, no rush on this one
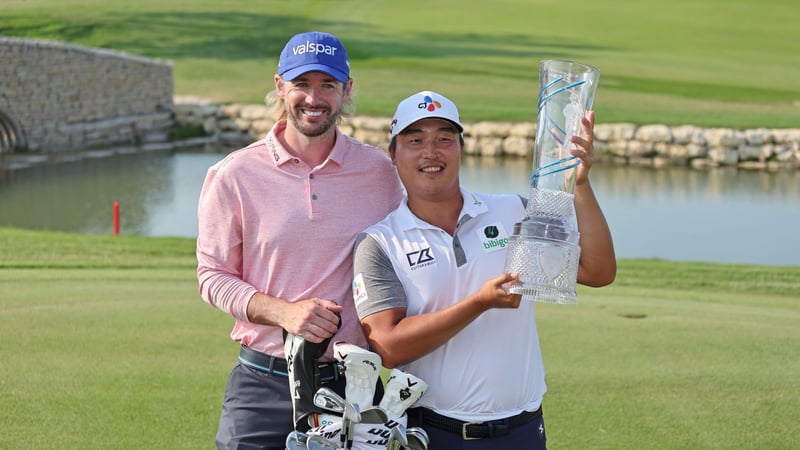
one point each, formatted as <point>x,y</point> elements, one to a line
<point>359,289</point>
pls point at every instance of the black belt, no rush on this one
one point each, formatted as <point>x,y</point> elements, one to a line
<point>277,366</point>
<point>476,430</point>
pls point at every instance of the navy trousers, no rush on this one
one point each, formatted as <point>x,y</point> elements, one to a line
<point>530,436</point>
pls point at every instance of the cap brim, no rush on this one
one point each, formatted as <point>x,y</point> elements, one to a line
<point>297,71</point>
<point>405,126</point>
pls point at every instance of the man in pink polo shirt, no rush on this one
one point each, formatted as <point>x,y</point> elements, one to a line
<point>277,223</point>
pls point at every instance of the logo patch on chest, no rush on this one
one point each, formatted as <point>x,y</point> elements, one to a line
<point>493,237</point>
<point>420,258</point>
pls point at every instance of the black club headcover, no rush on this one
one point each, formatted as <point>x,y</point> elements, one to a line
<point>304,376</point>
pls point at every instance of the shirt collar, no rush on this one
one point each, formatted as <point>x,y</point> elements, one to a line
<point>474,205</point>
<point>279,155</point>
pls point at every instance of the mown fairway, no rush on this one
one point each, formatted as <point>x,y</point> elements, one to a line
<point>106,344</point>
<point>708,63</point>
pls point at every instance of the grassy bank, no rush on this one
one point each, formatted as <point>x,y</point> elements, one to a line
<point>709,63</point>
<point>106,344</point>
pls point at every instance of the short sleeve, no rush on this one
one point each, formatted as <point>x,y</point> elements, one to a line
<point>376,286</point>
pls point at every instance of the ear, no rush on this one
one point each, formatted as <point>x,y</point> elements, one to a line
<point>348,88</point>
<point>280,86</point>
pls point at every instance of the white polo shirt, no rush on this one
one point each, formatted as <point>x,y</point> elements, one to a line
<point>493,368</point>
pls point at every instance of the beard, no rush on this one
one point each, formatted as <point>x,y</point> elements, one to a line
<point>312,130</point>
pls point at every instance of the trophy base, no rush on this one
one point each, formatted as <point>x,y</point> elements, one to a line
<point>545,294</point>
<point>547,269</point>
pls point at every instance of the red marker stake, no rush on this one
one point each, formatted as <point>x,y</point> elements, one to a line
<point>116,218</point>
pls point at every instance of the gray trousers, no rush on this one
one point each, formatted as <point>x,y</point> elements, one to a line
<point>257,410</point>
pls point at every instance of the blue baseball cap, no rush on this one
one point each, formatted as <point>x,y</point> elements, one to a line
<point>314,51</point>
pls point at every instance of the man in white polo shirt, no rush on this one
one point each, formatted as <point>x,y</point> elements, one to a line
<point>430,290</point>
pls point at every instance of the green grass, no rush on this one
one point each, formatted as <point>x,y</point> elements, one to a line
<point>710,63</point>
<point>106,344</point>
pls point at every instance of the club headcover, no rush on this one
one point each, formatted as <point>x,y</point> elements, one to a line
<point>402,391</point>
<point>362,368</point>
<point>304,376</point>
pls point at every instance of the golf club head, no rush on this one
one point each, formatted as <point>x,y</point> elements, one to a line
<point>397,438</point>
<point>352,412</point>
<point>316,442</point>
<point>296,441</point>
<point>350,417</point>
<point>374,415</point>
<point>417,439</point>
<point>327,399</point>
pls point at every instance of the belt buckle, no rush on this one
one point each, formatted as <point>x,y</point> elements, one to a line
<point>464,431</point>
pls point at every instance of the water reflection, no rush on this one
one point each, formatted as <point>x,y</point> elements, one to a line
<point>78,196</point>
<point>674,183</point>
<point>718,215</point>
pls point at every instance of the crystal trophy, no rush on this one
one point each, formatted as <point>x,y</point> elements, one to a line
<point>543,248</point>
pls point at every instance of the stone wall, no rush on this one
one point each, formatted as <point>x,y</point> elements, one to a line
<point>56,96</point>
<point>234,126</point>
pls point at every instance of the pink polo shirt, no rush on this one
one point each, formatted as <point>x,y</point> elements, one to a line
<point>270,223</point>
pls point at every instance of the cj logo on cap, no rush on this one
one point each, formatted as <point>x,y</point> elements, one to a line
<point>430,104</point>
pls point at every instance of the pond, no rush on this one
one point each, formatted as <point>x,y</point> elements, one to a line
<point>719,215</point>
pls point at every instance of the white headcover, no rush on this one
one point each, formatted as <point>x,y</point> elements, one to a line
<point>402,391</point>
<point>362,370</point>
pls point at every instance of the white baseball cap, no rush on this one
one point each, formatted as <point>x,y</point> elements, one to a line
<point>424,105</point>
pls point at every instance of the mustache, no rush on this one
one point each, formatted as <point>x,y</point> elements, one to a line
<point>310,106</point>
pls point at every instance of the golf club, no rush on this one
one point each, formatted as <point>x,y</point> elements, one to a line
<point>317,442</point>
<point>397,438</point>
<point>417,439</point>
<point>329,400</point>
<point>296,441</point>
<point>374,415</point>
<point>350,417</point>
